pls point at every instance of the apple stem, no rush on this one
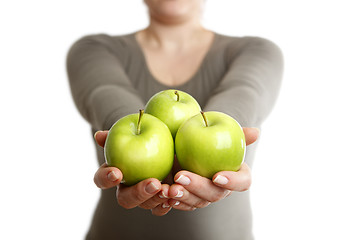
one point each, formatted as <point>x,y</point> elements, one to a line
<point>141,113</point>
<point>178,96</point>
<point>205,120</point>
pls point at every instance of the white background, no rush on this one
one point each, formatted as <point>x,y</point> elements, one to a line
<point>306,174</point>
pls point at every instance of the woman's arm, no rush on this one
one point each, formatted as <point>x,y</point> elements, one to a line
<point>250,87</point>
<point>247,92</point>
<point>103,93</point>
<point>100,87</point>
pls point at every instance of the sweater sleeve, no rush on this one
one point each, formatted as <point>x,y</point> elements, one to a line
<point>251,84</point>
<point>101,89</point>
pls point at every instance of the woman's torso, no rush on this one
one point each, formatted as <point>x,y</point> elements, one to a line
<point>228,219</point>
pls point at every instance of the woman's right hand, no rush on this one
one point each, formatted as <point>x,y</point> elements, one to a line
<point>147,194</point>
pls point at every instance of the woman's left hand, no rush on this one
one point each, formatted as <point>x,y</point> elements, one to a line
<point>191,191</point>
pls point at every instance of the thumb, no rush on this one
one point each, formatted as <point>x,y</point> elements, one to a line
<point>100,137</point>
<point>251,134</point>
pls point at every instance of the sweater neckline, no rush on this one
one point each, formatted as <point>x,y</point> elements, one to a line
<point>191,79</point>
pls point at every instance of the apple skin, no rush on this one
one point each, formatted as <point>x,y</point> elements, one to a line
<point>173,113</point>
<point>149,154</point>
<point>206,150</point>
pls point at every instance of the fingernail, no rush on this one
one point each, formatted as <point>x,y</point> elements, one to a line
<point>179,194</point>
<point>96,133</point>
<point>207,204</point>
<point>176,203</point>
<point>227,193</point>
<point>221,180</point>
<point>183,180</point>
<point>163,195</point>
<point>151,188</point>
<point>112,176</point>
<point>165,205</point>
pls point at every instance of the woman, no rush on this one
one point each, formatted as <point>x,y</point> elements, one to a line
<point>113,76</point>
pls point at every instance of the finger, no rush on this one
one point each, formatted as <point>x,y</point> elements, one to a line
<point>235,181</point>
<point>107,177</point>
<point>251,134</point>
<point>200,186</point>
<point>161,209</point>
<point>100,137</point>
<point>159,198</point>
<point>176,204</point>
<point>130,197</point>
<point>179,193</point>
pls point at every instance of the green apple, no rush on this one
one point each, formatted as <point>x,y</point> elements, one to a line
<point>209,143</point>
<point>172,107</point>
<point>141,146</point>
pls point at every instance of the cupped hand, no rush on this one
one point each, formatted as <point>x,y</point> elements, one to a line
<point>147,194</point>
<point>191,191</point>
